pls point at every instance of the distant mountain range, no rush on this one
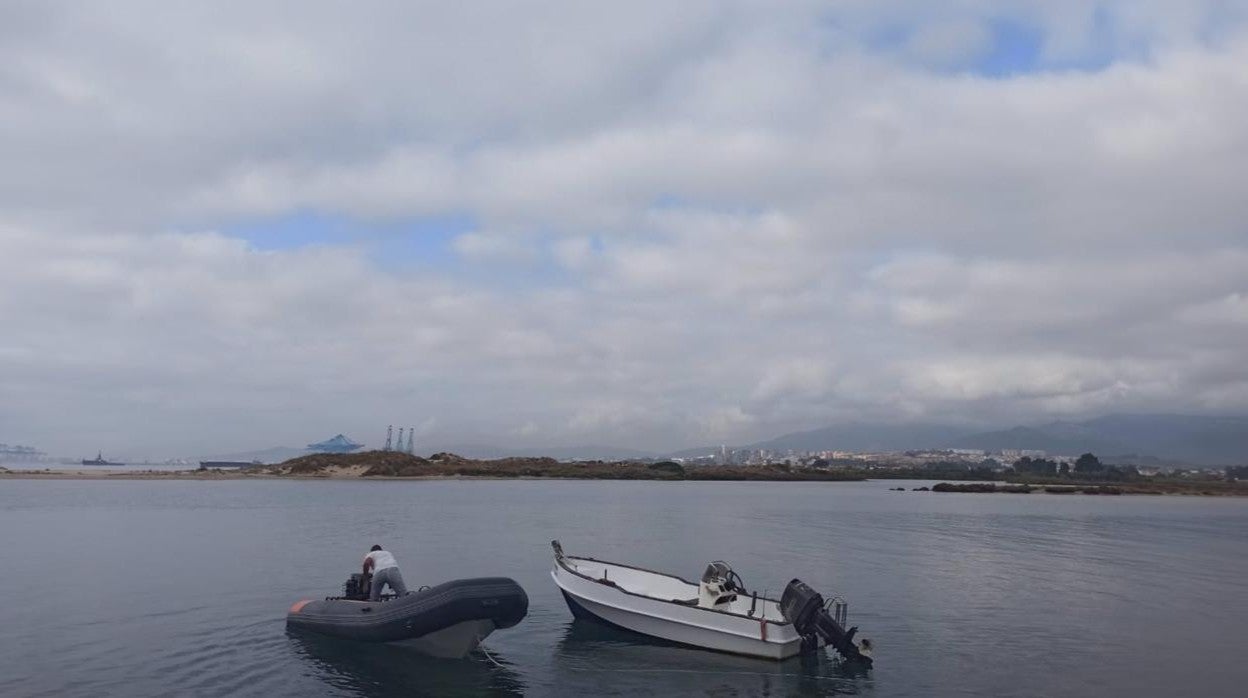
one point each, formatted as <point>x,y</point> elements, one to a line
<point>1193,439</point>
<point>1134,438</point>
<point>866,437</point>
<point>1166,438</point>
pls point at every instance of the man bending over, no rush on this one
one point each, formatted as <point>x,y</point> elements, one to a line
<point>385,571</point>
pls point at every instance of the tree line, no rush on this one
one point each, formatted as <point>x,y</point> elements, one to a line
<point>1086,466</point>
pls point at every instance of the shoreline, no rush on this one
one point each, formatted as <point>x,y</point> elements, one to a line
<point>197,475</point>
<point>1220,490</point>
<point>392,466</point>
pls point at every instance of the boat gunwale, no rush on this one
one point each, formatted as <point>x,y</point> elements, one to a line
<point>560,560</point>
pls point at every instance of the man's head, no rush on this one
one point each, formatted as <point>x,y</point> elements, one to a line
<point>374,549</point>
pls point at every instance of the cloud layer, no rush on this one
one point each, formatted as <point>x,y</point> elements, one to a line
<point>674,226</point>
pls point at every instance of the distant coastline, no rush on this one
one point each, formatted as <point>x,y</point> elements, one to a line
<point>375,464</point>
<point>392,465</point>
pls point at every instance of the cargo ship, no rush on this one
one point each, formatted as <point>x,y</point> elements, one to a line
<point>99,460</point>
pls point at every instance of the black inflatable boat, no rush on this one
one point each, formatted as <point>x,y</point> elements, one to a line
<point>448,620</point>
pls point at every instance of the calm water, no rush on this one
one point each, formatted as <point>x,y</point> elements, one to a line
<point>157,588</point>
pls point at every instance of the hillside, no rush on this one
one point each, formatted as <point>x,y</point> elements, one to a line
<point>391,464</point>
<point>1170,439</point>
<point>1182,438</point>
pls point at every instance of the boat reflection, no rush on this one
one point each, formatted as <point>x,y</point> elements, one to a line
<point>384,670</point>
<point>622,658</point>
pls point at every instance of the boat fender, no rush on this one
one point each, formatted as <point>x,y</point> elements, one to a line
<point>762,629</point>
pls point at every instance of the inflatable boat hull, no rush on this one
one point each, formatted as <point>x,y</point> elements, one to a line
<point>448,620</point>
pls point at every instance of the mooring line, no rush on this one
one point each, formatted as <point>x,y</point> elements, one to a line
<point>481,646</point>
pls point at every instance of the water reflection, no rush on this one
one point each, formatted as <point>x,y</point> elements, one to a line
<point>957,590</point>
<point>617,659</point>
<point>383,670</point>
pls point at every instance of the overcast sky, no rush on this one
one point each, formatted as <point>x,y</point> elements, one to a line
<point>227,226</point>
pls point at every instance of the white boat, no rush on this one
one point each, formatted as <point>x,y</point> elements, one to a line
<point>716,614</point>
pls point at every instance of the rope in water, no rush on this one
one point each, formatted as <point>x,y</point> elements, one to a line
<point>481,646</point>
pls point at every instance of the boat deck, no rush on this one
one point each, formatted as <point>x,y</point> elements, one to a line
<point>663,587</point>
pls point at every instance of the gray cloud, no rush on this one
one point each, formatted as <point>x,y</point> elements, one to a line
<point>709,223</point>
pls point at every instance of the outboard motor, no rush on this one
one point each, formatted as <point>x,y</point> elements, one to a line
<point>356,587</point>
<point>803,607</point>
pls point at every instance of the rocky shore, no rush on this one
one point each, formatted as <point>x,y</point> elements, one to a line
<point>1205,489</point>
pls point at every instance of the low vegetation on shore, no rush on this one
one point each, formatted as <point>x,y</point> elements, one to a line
<point>1086,475</point>
<point>977,479</point>
<point>402,465</point>
<point>1023,489</point>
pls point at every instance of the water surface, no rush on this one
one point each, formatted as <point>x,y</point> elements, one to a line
<point>155,588</point>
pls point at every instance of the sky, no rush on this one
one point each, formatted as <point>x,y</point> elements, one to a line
<point>228,226</point>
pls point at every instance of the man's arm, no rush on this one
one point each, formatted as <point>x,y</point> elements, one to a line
<point>368,563</point>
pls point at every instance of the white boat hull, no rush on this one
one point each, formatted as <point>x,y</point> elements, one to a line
<point>766,635</point>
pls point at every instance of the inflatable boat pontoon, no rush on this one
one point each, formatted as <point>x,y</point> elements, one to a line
<point>448,620</point>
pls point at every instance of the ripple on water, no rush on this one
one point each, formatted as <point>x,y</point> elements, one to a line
<point>977,595</point>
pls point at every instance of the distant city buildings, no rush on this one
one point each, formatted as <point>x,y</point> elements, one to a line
<point>832,458</point>
<point>1016,453</point>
